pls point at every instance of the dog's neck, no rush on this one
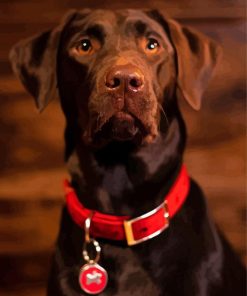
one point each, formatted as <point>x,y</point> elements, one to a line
<point>122,180</point>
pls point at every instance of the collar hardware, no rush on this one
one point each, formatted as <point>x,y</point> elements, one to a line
<point>136,230</point>
<point>130,237</point>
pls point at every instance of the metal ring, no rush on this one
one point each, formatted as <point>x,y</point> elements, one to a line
<point>87,225</point>
<point>97,250</point>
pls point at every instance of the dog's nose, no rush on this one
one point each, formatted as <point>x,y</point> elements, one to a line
<point>128,77</point>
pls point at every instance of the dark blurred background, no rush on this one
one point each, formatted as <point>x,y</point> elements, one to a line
<point>31,144</point>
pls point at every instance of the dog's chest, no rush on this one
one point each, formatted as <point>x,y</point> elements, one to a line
<point>127,275</point>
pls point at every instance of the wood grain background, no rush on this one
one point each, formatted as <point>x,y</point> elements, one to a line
<point>31,144</point>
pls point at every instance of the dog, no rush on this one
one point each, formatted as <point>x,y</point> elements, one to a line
<point>119,75</point>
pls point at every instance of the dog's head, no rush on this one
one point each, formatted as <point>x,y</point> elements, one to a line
<point>115,71</point>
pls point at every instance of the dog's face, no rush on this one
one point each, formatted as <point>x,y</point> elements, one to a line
<point>115,71</point>
<point>115,66</point>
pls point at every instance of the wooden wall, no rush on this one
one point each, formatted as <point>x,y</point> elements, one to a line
<point>31,144</point>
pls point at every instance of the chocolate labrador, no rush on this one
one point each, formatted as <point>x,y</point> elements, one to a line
<point>132,211</point>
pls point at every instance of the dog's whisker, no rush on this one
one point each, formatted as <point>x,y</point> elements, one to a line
<point>164,114</point>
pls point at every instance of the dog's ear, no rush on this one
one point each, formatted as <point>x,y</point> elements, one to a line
<point>34,62</point>
<point>197,56</point>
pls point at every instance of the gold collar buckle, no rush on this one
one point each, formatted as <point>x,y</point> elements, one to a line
<point>128,225</point>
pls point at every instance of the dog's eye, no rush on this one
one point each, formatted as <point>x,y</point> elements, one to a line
<point>86,46</point>
<point>152,44</point>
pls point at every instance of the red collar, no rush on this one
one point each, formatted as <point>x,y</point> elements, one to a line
<point>134,230</point>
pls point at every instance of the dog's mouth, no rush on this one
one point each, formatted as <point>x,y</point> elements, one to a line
<point>124,126</point>
<point>121,126</point>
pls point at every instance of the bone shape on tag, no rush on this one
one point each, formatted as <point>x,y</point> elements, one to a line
<point>94,277</point>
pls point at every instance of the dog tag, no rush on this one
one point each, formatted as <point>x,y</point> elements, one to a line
<point>93,278</point>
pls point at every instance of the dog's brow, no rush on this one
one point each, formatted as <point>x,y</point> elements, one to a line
<point>97,31</point>
<point>136,26</point>
<point>142,28</point>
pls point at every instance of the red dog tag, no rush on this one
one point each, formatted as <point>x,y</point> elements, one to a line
<point>93,278</point>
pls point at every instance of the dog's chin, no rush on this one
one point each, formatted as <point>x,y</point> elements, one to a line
<point>121,127</point>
